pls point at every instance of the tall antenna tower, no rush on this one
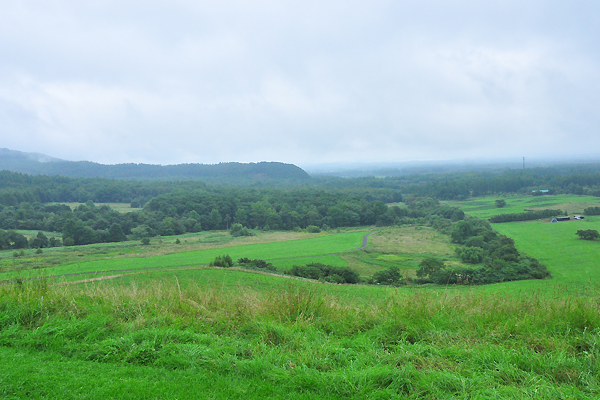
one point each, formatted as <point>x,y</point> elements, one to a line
<point>523,163</point>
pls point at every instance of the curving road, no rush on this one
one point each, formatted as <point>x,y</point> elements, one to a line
<point>365,239</point>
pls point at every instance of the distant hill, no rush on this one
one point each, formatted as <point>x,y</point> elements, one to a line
<point>40,164</point>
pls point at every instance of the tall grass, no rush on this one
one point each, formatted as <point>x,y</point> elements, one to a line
<point>416,344</point>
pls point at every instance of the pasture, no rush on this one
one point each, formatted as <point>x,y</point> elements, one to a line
<point>130,256</point>
<point>403,247</point>
<point>170,327</point>
<point>484,207</point>
<point>573,263</point>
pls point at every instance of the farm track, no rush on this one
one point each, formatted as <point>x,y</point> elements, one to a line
<point>124,272</point>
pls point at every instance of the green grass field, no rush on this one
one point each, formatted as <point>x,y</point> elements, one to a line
<point>283,253</point>
<point>483,207</point>
<point>573,263</point>
<point>231,334</point>
<point>183,330</point>
<point>570,259</point>
<point>119,207</point>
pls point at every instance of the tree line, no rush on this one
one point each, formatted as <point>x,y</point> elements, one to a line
<point>524,216</point>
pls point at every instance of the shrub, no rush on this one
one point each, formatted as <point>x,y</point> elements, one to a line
<point>475,241</point>
<point>54,242</point>
<point>237,230</point>
<point>592,211</point>
<point>313,229</point>
<point>429,266</point>
<point>222,261</point>
<point>325,272</point>
<point>588,234</point>
<point>470,255</point>
<point>390,276</point>
<point>257,263</point>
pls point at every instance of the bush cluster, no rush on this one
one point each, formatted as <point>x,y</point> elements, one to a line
<point>222,261</point>
<point>255,264</point>
<point>325,273</point>
<point>592,211</point>
<point>237,230</point>
<point>588,234</point>
<point>390,276</point>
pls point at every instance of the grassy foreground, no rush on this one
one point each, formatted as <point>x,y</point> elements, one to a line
<point>202,339</point>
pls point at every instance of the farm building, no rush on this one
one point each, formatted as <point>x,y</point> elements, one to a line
<point>558,219</point>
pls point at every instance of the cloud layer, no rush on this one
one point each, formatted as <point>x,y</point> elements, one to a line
<point>301,82</point>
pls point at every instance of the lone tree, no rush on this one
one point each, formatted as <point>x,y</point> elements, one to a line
<point>588,234</point>
<point>500,203</point>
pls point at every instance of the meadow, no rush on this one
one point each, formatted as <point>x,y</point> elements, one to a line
<point>263,338</point>
<point>132,257</point>
<point>161,324</point>
<point>119,207</point>
<point>573,263</point>
<point>484,207</point>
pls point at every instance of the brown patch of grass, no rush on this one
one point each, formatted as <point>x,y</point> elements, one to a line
<point>407,239</point>
<point>571,208</point>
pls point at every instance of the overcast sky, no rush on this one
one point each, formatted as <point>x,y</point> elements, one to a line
<point>301,82</point>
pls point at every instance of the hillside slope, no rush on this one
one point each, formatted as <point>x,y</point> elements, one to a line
<point>36,164</point>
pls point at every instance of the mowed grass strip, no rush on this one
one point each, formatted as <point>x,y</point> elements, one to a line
<point>323,245</point>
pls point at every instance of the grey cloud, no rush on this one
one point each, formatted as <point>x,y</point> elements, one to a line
<point>302,82</point>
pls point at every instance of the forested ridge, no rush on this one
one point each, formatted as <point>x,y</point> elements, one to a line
<point>39,164</point>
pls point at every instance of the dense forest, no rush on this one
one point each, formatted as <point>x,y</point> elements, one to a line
<point>580,179</point>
